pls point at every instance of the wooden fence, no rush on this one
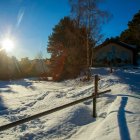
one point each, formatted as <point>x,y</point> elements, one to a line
<point>93,96</point>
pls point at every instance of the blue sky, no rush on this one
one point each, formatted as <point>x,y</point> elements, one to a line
<point>30,22</point>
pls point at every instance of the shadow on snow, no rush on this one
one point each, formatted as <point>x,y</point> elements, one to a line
<point>5,86</point>
<point>123,128</point>
<point>2,105</point>
<point>131,78</point>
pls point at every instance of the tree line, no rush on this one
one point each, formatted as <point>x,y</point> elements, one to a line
<point>71,44</point>
<point>74,37</point>
<point>12,68</point>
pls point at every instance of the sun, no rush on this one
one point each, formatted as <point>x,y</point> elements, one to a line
<point>7,44</point>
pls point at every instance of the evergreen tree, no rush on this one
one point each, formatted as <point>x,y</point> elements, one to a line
<point>67,46</point>
<point>132,34</point>
<point>3,65</point>
<point>14,68</point>
<point>25,66</point>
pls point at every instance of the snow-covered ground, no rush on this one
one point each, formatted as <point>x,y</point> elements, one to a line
<point>118,111</point>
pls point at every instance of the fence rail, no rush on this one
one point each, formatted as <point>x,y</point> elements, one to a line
<point>13,124</point>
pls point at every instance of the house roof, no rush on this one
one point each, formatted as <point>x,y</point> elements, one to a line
<point>125,45</point>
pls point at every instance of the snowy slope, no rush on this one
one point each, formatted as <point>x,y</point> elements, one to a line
<point>118,112</point>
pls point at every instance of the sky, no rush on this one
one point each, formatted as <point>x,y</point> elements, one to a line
<point>29,22</point>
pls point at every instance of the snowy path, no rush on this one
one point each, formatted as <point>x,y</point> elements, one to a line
<point>118,111</point>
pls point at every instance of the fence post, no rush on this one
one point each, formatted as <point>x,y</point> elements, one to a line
<point>95,95</point>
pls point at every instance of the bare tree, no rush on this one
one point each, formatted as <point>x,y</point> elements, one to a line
<point>40,57</point>
<point>86,13</point>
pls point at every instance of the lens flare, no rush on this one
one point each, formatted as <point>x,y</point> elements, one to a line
<point>7,44</point>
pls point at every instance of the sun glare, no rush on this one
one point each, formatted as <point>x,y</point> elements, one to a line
<point>7,44</point>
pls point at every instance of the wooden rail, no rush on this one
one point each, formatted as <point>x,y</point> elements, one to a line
<point>13,124</point>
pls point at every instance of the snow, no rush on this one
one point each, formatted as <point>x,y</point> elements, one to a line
<point>118,112</point>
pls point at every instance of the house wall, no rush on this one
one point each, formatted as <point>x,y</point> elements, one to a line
<point>115,52</point>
